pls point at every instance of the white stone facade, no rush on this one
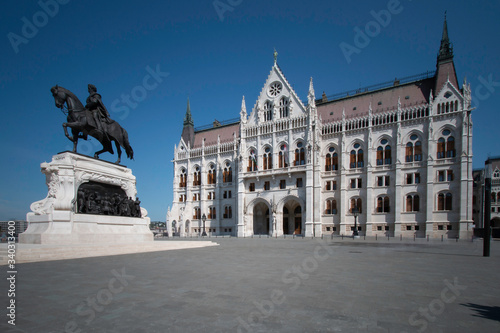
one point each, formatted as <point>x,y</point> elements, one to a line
<point>402,154</point>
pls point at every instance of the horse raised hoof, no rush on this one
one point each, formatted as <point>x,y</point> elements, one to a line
<point>96,156</point>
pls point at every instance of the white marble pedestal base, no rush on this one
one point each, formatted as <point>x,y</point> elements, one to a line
<point>54,220</point>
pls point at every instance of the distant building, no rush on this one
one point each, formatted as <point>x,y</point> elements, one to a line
<point>478,196</point>
<point>400,152</point>
<point>20,226</point>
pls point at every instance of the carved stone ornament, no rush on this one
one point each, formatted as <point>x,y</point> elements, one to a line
<point>88,201</point>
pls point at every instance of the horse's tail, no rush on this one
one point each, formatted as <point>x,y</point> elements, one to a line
<point>126,145</point>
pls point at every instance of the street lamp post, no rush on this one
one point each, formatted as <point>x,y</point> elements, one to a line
<point>487,208</point>
<point>355,212</point>
<point>204,218</point>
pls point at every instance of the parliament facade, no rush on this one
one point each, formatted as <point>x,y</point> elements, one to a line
<point>399,155</point>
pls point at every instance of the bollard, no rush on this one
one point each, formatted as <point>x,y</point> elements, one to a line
<point>321,236</point>
<point>414,237</point>
<point>388,237</point>
<point>342,236</point>
<point>441,238</point>
<point>427,237</point>
<point>364,237</point>
<point>401,237</point>
<point>375,236</point>
<point>456,240</point>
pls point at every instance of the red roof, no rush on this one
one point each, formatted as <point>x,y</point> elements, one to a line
<point>211,135</point>
<point>410,94</point>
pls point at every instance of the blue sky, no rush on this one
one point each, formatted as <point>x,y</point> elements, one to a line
<point>214,57</point>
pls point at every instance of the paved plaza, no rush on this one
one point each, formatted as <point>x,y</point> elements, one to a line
<point>266,285</point>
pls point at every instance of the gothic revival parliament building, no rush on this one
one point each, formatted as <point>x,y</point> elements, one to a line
<point>398,154</point>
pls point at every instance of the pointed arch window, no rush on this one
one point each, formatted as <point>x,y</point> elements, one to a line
<point>212,175</point>
<point>300,155</point>
<point>331,160</point>
<point>268,111</point>
<point>283,107</point>
<point>252,161</point>
<point>414,149</point>
<point>183,178</point>
<point>446,145</point>
<point>267,159</point>
<point>283,156</point>
<point>197,176</point>
<point>227,174</point>
<point>384,153</point>
<point>356,159</point>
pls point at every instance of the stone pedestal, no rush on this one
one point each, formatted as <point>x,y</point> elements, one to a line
<point>56,219</point>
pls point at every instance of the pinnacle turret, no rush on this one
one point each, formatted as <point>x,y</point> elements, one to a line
<point>446,48</point>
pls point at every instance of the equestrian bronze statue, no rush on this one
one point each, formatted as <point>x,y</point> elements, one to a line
<point>92,119</point>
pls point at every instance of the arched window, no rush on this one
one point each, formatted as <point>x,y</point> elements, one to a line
<point>284,111</point>
<point>450,147</point>
<point>252,161</point>
<point>227,174</point>
<point>330,207</point>
<point>228,212</point>
<point>356,160</point>
<point>413,149</point>
<point>445,201</point>
<point>196,213</point>
<point>196,176</point>
<point>412,203</point>
<point>183,178</point>
<point>356,202</point>
<point>211,213</point>
<point>212,175</point>
<point>446,145</point>
<point>300,154</point>
<point>498,196</point>
<point>268,111</point>
<point>267,159</point>
<point>493,197</point>
<point>283,156</point>
<point>331,160</point>
<point>384,153</point>
<point>383,205</point>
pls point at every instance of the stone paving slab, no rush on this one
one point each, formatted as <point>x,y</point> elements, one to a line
<point>266,285</point>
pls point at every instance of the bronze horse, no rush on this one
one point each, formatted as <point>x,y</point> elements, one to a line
<point>82,124</point>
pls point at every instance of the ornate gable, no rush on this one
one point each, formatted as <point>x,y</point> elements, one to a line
<point>277,100</point>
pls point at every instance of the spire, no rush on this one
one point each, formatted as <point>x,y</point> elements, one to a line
<point>243,112</point>
<point>275,56</point>
<point>188,130</point>
<point>188,120</point>
<point>445,68</point>
<point>446,49</point>
<point>311,98</point>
